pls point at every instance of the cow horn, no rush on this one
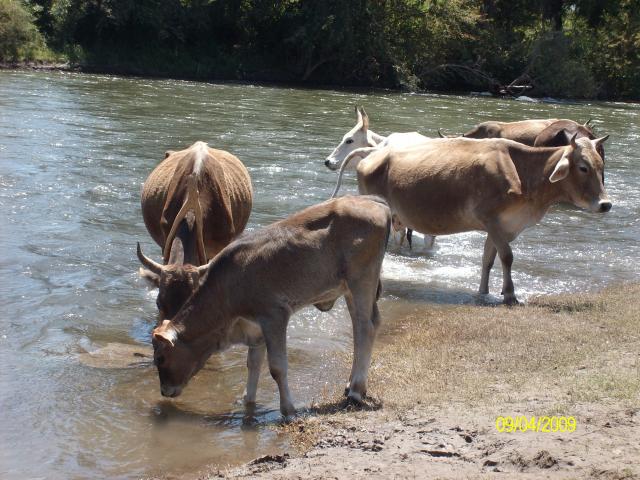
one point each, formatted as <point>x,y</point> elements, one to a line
<point>586,124</point>
<point>440,134</point>
<point>202,269</point>
<point>147,262</point>
<point>601,140</point>
<point>192,202</point>
<point>573,140</point>
<point>358,152</point>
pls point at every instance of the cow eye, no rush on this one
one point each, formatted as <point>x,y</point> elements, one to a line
<point>349,140</point>
<point>159,360</point>
<point>584,169</point>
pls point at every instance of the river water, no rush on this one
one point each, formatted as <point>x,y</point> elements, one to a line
<point>74,152</point>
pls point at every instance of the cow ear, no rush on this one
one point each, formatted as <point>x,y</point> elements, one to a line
<point>165,333</point>
<point>561,171</point>
<point>149,276</point>
<point>365,119</point>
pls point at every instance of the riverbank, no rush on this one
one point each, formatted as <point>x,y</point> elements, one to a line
<point>40,66</point>
<point>125,72</point>
<point>439,384</point>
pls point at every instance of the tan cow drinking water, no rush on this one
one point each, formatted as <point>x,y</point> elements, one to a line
<point>193,203</point>
<point>258,281</point>
<point>498,186</point>
<point>522,131</point>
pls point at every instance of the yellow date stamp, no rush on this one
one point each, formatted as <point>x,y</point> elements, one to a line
<point>544,424</point>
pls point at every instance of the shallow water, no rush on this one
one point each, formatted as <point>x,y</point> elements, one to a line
<point>74,151</point>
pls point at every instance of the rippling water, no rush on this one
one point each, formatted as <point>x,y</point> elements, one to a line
<point>74,152</point>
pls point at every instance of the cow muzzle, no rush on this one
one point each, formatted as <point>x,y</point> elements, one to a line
<point>604,206</point>
<point>330,164</point>
<point>170,391</point>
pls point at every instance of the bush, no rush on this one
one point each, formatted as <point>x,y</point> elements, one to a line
<point>19,38</point>
<point>559,68</point>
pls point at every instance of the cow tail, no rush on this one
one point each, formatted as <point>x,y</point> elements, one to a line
<point>191,203</point>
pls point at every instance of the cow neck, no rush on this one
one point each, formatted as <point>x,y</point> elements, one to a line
<point>377,139</point>
<point>534,166</point>
<point>210,311</point>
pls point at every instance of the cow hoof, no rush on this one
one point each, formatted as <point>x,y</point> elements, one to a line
<point>288,412</point>
<point>511,301</point>
<point>288,418</point>
<point>354,398</point>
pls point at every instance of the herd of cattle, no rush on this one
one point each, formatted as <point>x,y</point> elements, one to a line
<point>218,287</point>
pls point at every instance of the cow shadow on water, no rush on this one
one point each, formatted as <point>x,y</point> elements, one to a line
<point>253,417</point>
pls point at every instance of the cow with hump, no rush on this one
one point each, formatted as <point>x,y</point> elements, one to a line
<point>498,186</point>
<point>257,282</point>
<point>522,131</point>
<point>193,203</point>
<point>536,133</point>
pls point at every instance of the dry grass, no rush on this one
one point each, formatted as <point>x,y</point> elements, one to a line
<point>444,375</point>
<point>560,350</point>
<point>555,352</point>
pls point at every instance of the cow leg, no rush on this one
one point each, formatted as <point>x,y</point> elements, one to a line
<point>506,258</point>
<point>255,357</point>
<point>488,257</point>
<point>365,318</point>
<point>275,337</point>
<point>429,241</point>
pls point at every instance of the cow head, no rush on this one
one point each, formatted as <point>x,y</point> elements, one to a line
<point>178,356</point>
<point>358,137</point>
<point>175,282</point>
<point>581,170</point>
<point>176,361</point>
<point>564,136</point>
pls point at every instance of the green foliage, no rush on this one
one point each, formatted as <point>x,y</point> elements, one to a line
<point>19,38</point>
<point>578,48</point>
<point>616,54</point>
<point>559,67</point>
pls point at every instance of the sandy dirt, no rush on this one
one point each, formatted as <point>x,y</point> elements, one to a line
<point>429,443</point>
<point>439,384</point>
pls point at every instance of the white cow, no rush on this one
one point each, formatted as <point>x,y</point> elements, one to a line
<point>365,141</point>
<point>359,142</point>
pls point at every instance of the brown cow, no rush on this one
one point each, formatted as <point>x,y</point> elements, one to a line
<point>523,131</point>
<point>497,186</point>
<point>257,282</point>
<point>194,203</point>
<point>559,133</point>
